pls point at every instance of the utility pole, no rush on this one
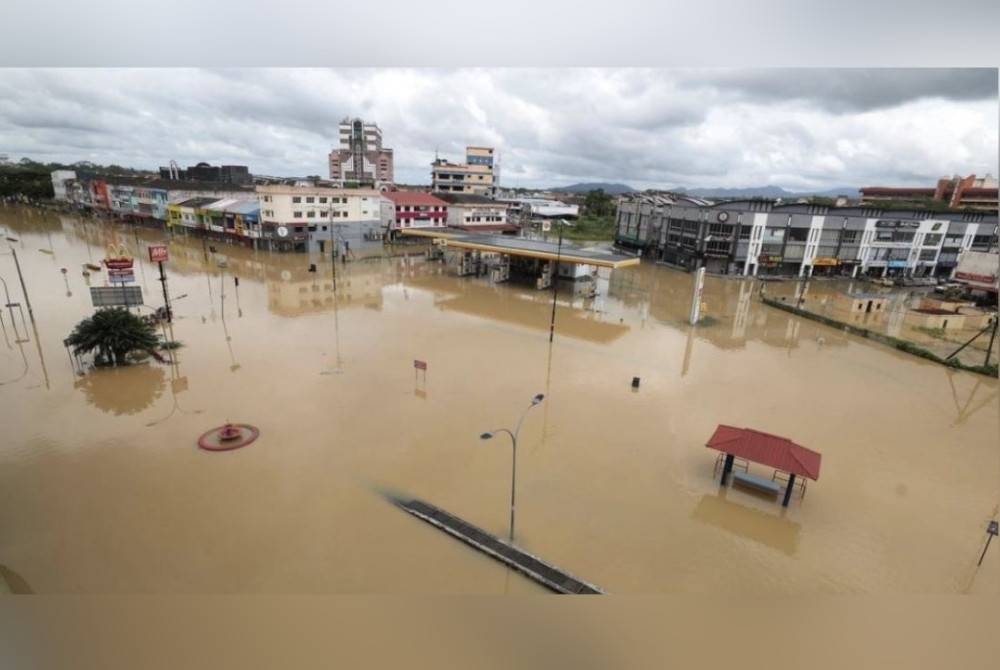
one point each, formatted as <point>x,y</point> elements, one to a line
<point>993,337</point>
<point>24,289</point>
<point>555,282</point>
<point>166,298</point>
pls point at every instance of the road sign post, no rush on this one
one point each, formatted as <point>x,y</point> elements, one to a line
<point>991,530</point>
<point>158,254</point>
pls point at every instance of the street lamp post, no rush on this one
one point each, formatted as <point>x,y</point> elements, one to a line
<point>513,437</point>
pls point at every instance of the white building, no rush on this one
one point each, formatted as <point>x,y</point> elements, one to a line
<point>316,218</point>
<point>476,212</point>
<point>542,208</point>
<point>59,183</point>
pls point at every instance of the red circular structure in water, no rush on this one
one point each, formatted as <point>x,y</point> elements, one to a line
<point>229,436</point>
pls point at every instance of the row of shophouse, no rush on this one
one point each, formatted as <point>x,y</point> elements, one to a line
<point>307,216</point>
<point>761,237</point>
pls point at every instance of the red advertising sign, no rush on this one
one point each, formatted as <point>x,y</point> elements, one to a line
<point>968,276</point>
<point>118,263</point>
<point>158,253</point>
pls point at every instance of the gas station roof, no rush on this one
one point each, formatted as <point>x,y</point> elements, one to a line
<point>518,246</point>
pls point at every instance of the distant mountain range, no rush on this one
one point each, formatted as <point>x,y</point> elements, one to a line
<point>750,192</point>
<point>769,192</point>
<point>610,189</point>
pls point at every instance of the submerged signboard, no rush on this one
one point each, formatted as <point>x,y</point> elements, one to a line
<point>114,296</point>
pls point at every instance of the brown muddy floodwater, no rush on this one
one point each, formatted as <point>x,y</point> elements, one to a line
<point>103,490</point>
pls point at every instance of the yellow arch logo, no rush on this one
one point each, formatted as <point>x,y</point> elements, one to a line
<point>118,251</point>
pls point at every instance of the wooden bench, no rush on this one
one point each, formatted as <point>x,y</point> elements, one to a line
<point>755,482</point>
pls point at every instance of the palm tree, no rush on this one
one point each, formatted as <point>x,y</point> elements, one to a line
<point>114,334</point>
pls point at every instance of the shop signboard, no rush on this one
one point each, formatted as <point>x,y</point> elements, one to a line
<point>969,276</point>
<point>158,253</point>
<point>897,224</point>
<point>825,261</point>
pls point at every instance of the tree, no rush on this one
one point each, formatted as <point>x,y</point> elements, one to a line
<point>598,203</point>
<point>114,334</point>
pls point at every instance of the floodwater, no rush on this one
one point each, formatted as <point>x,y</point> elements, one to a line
<point>898,318</point>
<point>102,489</point>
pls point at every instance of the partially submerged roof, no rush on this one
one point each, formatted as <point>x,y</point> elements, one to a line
<point>486,227</point>
<point>519,246</point>
<point>861,295</point>
<point>766,449</point>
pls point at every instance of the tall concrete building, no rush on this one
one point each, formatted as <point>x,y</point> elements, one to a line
<point>478,175</point>
<point>360,160</point>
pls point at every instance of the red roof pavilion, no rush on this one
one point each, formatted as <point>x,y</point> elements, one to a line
<point>766,449</point>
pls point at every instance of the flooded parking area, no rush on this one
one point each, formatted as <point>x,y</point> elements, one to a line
<point>104,489</point>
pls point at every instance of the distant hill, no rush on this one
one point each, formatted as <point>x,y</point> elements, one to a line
<point>610,189</point>
<point>769,192</point>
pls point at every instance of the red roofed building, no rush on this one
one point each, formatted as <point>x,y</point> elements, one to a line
<point>413,209</point>
<point>959,192</point>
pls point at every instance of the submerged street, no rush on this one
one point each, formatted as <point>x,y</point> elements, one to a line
<point>104,490</point>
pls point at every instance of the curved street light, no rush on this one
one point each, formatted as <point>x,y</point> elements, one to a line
<point>513,436</point>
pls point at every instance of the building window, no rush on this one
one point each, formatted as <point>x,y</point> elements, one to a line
<point>310,199</point>
<point>322,200</point>
<point>297,215</point>
<point>311,214</point>
<point>296,198</point>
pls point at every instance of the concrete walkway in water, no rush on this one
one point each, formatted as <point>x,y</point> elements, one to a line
<point>544,573</point>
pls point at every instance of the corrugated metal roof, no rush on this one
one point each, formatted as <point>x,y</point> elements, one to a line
<point>245,207</point>
<point>766,449</point>
<point>222,205</point>
<point>196,202</point>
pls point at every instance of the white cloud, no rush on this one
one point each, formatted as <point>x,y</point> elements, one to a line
<point>728,128</point>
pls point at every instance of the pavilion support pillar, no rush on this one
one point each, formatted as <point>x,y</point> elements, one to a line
<point>726,469</point>
<point>788,490</point>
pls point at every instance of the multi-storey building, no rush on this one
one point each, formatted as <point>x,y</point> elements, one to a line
<point>476,213</point>
<point>957,192</point>
<point>760,237</point>
<point>222,174</point>
<point>319,218</point>
<point>360,160</point>
<point>477,175</point>
<point>413,209</point>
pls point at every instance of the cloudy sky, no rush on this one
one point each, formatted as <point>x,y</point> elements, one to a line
<point>799,129</point>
